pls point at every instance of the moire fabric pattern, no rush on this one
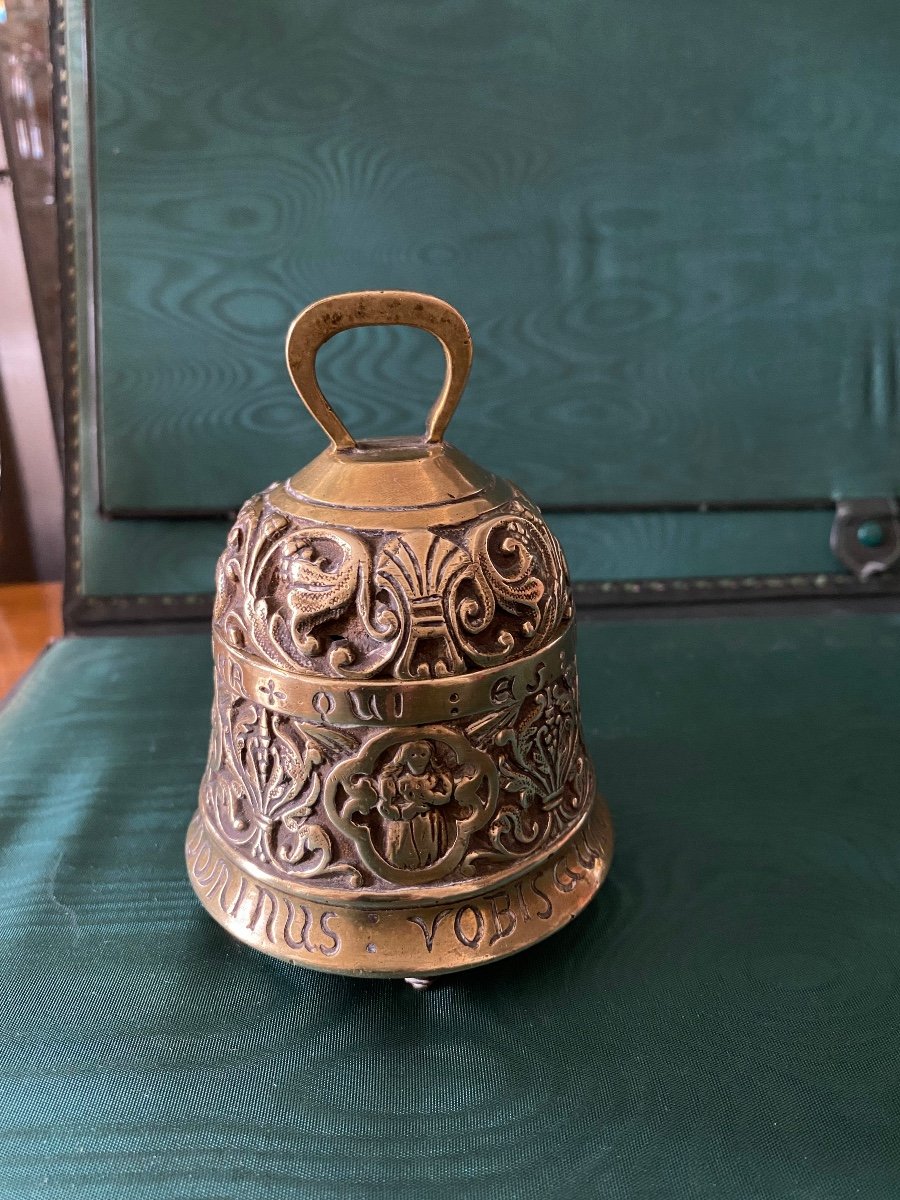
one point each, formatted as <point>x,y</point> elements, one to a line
<point>670,227</point>
<point>720,1022</point>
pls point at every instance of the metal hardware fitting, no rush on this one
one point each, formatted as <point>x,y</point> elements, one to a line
<point>865,535</point>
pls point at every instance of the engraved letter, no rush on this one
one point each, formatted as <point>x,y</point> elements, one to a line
<point>195,838</point>
<point>365,707</point>
<point>258,911</point>
<point>538,678</point>
<point>594,848</point>
<point>586,854</point>
<point>502,691</point>
<point>522,901</point>
<point>301,943</point>
<point>573,877</point>
<point>236,902</point>
<point>329,932</point>
<point>236,675</point>
<point>220,885</point>
<point>543,913</point>
<point>504,918</point>
<point>323,703</point>
<point>429,935</point>
<point>478,932</point>
<point>200,871</point>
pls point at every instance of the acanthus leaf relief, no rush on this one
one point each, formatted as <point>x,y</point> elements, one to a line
<point>313,575</point>
<point>520,571</point>
<point>546,778</point>
<point>422,604</point>
<point>263,785</point>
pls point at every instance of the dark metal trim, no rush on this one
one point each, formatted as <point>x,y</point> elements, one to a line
<point>656,593</point>
<point>764,607</point>
<point>86,613</point>
<point>849,544</point>
<point>70,304</point>
<point>68,298</point>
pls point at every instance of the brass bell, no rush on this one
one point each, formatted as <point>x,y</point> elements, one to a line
<point>397,783</point>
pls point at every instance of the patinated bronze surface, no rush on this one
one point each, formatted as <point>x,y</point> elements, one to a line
<point>397,782</point>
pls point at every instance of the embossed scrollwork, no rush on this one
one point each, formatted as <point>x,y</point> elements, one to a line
<point>516,592</point>
<point>302,596</point>
<point>263,784</point>
<point>422,604</point>
<point>323,572</point>
<point>546,778</point>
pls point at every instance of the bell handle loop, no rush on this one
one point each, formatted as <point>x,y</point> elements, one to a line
<point>322,320</point>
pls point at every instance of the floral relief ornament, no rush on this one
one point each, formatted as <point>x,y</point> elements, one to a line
<point>416,605</point>
<point>546,778</point>
<point>264,783</point>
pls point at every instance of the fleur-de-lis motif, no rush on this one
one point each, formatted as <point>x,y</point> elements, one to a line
<point>424,603</point>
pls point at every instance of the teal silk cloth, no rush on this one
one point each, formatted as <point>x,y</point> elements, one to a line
<point>721,1022</point>
<point>671,227</point>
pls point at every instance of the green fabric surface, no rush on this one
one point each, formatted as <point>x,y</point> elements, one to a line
<point>672,228</point>
<point>721,1022</point>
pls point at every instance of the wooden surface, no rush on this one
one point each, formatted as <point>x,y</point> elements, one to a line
<point>30,617</point>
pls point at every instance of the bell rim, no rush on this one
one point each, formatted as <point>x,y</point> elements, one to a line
<point>262,919</point>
